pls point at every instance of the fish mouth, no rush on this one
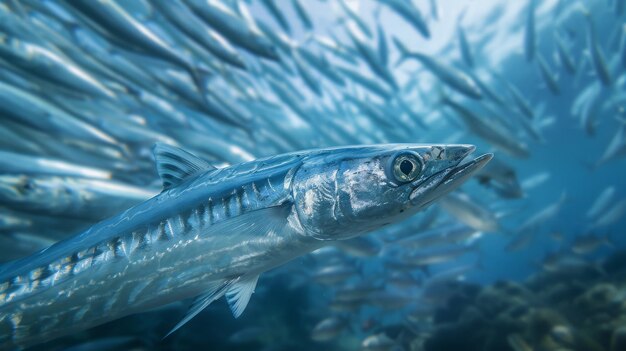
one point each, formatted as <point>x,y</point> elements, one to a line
<point>443,182</point>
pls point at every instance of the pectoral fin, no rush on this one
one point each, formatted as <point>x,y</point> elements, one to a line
<point>238,295</point>
<point>262,223</point>
<point>237,291</point>
<point>215,291</point>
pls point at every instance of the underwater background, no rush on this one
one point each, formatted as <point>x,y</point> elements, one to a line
<point>528,255</point>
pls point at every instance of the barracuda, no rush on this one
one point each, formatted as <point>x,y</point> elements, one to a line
<point>212,232</point>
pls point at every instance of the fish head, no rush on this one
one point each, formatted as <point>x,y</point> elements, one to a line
<point>357,190</point>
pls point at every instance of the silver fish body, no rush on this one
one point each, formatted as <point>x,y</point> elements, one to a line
<point>549,79</point>
<point>453,77</point>
<point>41,62</point>
<point>597,55</point>
<point>234,28</point>
<point>211,232</point>
<point>490,132</point>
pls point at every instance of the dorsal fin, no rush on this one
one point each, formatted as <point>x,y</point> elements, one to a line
<point>238,295</point>
<point>175,164</point>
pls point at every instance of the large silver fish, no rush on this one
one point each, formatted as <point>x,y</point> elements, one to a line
<point>212,232</point>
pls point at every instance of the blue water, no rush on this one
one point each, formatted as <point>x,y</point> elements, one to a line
<point>290,301</point>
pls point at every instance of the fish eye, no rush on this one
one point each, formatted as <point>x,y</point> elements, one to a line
<point>406,167</point>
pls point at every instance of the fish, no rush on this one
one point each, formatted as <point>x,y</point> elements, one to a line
<point>372,58</point>
<point>37,113</point>
<point>322,65</point>
<point>185,242</point>
<point>383,48</point>
<point>527,230</point>
<point>312,82</point>
<point>451,233</point>
<point>589,243</point>
<point>588,114</point>
<point>277,14</point>
<point>183,18</point>
<point>355,18</point>
<point>616,148</point>
<point>549,79</point>
<point>520,102</point>
<point>304,17</point>
<point>464,46</point>
<point>416,119</point>
<point>517,343</point>
<point>379,342</point>
<point>535,180</point>
<point>402,280</point>
<point>520,240</point>
<point>597,55</point>
<point>613,214</point>
<point>485,89</point>
<point>540,217</point>
<point>47,64</point>
<point>342,52</point>
<point>501,177</point>
<point>454,78</point>
<point>280,40</point>
<point>114,22</point>
<point>431,256</point>
<point>529,33</point>
<point>356,291</point>
<point>434,9</point>
<point>565,57</point>
<point>602,202</point>
<point>236,30</point>
<point>411,14</point>
<point>470,212</point>
<point>10,222</point>
<point>14,163</point>
<point>363,246</point>
<point>455,273</point>
<point>410,226</point>
<point>68,196</point>
<point>329,328</point>
<point>371,84</point>
<point>488,131</point>
<point>352,15</point>
<point>334,274</point>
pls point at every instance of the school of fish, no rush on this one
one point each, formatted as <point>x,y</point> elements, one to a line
<point>158,155</point>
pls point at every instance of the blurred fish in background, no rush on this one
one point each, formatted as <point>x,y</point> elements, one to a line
<point>529,255</point>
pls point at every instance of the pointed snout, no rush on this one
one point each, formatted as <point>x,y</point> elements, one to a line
<point>457,153</point>
<point>449,179</point>
<point>460,174</point>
